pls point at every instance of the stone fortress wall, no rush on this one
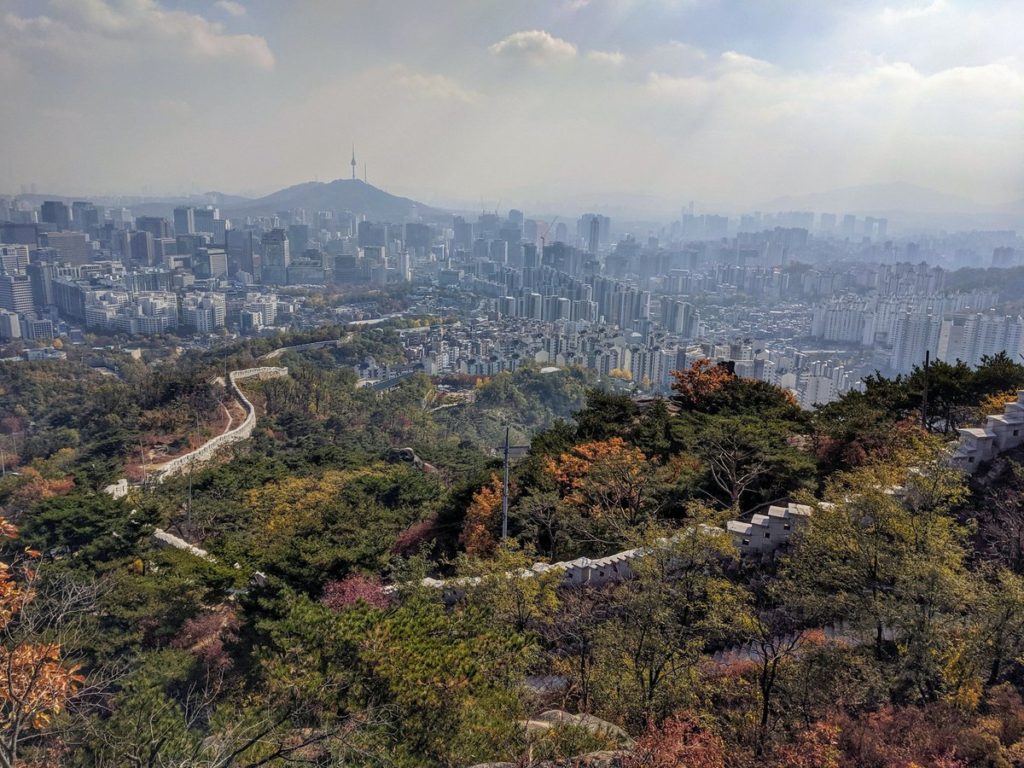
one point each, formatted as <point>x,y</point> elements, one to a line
<point>243,431</point>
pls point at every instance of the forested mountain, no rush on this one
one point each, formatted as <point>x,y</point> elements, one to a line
<point>888,633</point>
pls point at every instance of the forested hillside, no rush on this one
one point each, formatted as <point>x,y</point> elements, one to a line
<point>888,634</point>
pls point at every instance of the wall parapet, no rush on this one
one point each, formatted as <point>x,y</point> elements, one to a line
<point>1001,432</point>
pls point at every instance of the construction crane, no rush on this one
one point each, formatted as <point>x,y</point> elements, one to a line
<point>543,238</point>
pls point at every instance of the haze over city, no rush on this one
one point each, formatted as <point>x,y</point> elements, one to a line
<point>637,104</point>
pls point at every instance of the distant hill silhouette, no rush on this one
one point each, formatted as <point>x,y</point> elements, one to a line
<point>338,195</point>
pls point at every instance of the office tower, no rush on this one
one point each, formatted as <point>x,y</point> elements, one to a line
<point>121,217</point>
<point>515,217</point>
<point>405,267</point>
<point>86,216</point>
<point>155,225</point>
<point>276,257</point>
<point>241,249</point>
<point>184,220</point>
<point>69,298</point>
<point>371,234</point>
<point>462,233</point>
<point>16,293</point>
<point>20,233</point>
<point>36,328</point>
<point>418,237</point>
<point>13,258</point>
<point>72,246</point>
<point>210,263</point>
<point>203,219</point>
<point>141,249</point>
<point>827,224</point>
<point>498,251</point>
<point>10,325</point>
<point>40,276</point>
<point>298,237</point>
<point>57,213</point>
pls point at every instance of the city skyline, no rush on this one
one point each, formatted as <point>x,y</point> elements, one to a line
<point>533,105</point>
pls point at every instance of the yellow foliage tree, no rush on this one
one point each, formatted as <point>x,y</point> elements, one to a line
<point>35,681</point>
<point>483,518</point>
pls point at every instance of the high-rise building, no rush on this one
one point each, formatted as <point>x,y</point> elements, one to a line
<point>298,237</point>
<point>155,225</point>
<point>87,217</point>
<point>184,220</point>
<point>16,293</point>
<point>40,276</point>
<point>210,263</point>
<point>72,246</point>
<point>10,325</point>
<point>57,213</point>
<point>276,257</point>
<point>141,249</point>
<point>13,258</point>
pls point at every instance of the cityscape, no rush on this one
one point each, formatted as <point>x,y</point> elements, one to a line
<point>545,384</point>
<point>811,302</point>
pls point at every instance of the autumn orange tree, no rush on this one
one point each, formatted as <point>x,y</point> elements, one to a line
<point>610,485</point>
<point>36,682</point>
<point>483,520</point>
<point>697,383</point>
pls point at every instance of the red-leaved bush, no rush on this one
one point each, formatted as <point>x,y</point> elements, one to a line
<point>344,593</point>
<point>205,635</point>
<point>677,743</point>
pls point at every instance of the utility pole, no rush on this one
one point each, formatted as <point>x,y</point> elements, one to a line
<point>924,398</point>
<point>504,494</point>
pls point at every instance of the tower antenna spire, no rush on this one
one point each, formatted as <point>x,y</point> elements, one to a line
<point>353,161</point>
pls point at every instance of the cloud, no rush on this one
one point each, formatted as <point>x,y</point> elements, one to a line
<point>230,7</point>
<point>142,29</point>
<point>735,60</point>
<point>613,58</point>
<point>535,46</point>
<point>891,16</point>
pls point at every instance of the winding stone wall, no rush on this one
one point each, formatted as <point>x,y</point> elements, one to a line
<point>243,431</point>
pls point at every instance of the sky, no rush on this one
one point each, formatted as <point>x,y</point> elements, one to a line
<point>514,103</point>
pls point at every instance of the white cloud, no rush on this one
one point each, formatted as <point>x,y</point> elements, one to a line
<point>891,16</point>
<point>142,29</point>
<point>535,46</point>
<point>230,7</point>
<point>735,60</point>
<point>612,58</point>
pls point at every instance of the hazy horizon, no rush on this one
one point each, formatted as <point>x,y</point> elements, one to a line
<point>539,102</point>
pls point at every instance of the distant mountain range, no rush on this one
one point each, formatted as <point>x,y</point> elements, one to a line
<point>352,195</point>
<point>906,206</point>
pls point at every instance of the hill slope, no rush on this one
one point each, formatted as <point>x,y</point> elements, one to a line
<point>338,195</point>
